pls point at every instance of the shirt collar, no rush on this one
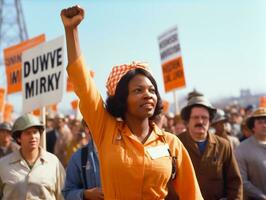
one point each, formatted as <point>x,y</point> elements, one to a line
<point>211,138</point>
<point>17,156</point>
<point>123,128</point>
<point>43,155</point>
<point>157,130</point>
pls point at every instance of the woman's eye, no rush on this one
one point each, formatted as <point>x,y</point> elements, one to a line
<point>152,90</point>
<point>137,90</point>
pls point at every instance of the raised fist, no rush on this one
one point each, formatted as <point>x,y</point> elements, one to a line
<point>72,16</point>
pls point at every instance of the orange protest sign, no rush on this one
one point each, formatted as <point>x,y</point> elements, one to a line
<point>262,101</point>
<point>166,106</point>
<point>12,59</point>
<point>8,109</point>
<point>53,107</point>
<point>37,112</point>
<point>173,74</point>
<point>2,98</point>
<point>75,104</point>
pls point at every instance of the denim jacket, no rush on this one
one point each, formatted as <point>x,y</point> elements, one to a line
<point>74,183</point>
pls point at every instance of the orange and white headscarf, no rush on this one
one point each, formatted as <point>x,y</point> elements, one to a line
<point>119,71</point>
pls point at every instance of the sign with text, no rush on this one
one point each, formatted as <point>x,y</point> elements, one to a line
<point>12,58</point>
<point>43,74</point>
<point>171,60</point>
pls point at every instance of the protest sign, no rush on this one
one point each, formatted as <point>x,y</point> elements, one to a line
<point>171,60</point>
<point>43,74</point>
<point>12,58</point>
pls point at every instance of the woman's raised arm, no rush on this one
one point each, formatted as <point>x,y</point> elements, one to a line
<point>71,18</point>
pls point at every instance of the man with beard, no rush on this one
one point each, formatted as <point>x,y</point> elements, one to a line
<point>212,156</point>
<point>251,156</point>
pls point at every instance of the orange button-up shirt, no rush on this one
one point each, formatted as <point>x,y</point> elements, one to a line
<point>128,171</point>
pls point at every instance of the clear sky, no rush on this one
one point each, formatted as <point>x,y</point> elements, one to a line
<point>223,43</point>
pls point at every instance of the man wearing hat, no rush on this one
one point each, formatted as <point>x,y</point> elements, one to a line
<point>251,156</point>
<point>212,156</point>
<point>223,128</point>
<point>7,146</point>
<point>30,172</point>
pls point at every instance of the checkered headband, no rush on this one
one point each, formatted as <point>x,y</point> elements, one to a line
<point>119,71</point>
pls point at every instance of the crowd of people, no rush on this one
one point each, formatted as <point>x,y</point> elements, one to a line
<point>126,148</point>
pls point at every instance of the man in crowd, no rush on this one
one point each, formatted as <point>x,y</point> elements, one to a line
<point>54,134</point>
<point>7,146</point>
<point>58,139</point>
<point>214,162</point>
<point>245,131</point>
<point>223,128</point>
<point>30,172</point>
<point>251,156</point>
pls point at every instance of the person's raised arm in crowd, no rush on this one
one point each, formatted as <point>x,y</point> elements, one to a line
<point>71,18</point>
<point>137,158</point>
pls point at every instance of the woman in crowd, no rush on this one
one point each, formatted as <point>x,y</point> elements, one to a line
<point>137,159</point>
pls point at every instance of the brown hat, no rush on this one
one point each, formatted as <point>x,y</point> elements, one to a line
<point>197,101</point>
<point>194,93</point>
<point>258,113</point>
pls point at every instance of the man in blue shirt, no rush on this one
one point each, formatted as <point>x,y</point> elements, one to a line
<point>83,182</point>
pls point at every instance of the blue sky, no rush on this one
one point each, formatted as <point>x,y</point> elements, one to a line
<point>222,42</point>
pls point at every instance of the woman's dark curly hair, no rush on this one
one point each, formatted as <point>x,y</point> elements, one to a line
<point>117,105</point>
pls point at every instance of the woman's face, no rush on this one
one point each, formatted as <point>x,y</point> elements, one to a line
<point>142,98</point>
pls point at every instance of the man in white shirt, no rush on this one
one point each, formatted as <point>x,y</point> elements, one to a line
<point>30,172</point>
